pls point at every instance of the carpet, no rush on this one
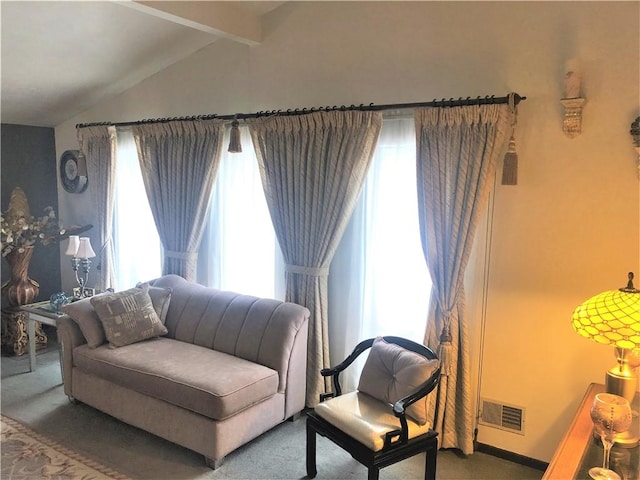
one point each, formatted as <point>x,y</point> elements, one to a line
<point>27,455</point>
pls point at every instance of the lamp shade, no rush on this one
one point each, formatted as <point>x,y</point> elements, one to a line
<point>611,318</point>
<point>74,243</point>
<point>85,250</point>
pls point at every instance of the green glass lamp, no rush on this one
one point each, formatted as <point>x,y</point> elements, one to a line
<point>613,318</point>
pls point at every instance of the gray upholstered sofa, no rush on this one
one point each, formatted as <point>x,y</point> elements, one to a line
<point>229,368</point>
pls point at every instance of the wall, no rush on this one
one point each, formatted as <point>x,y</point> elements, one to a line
<point>567,231</point>
<point>28,161</point>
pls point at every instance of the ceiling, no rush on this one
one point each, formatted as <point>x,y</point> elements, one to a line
<point>61,58</point>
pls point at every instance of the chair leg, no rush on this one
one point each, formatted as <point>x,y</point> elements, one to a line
<point>430,463</point>
<point>311,452</point>
<point>373,473</point>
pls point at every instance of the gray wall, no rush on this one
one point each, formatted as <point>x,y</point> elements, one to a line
<point>28,161</point>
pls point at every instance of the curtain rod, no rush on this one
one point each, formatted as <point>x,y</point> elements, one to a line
<point>486,100</point>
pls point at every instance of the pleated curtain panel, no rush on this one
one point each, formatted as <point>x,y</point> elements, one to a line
<point>457,153</point>
<point>179,162</point>
<point>313,168</point>
<point>98,145</point>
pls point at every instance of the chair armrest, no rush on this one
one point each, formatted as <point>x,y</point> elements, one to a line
<point>334,372</point>
<point>432,382</point>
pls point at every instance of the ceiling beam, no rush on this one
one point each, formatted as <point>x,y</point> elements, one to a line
<point>218,18</point>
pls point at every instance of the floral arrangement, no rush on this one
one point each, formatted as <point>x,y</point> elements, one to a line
<point>20,229</point>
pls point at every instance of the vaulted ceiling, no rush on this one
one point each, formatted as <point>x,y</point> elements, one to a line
<point>61,58</point>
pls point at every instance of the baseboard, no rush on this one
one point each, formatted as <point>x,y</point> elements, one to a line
<point>512,457</point>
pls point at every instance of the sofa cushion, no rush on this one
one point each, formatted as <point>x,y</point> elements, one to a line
<point>260,330</point>
<point>204,381</point>
<point>83,313</point>
<point>392,372</point>
<point>128,316</point>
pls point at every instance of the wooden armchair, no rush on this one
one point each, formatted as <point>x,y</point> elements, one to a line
<point>385,421</point>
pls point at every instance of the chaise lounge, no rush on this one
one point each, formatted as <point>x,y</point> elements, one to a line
<point>228,368</point>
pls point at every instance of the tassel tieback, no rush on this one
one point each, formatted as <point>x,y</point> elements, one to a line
<point>445,352</point>
<point>234,138</point>
<point>510,165</point>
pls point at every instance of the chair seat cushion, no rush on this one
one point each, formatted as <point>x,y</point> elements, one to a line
<point>365,418</point>
<point>211,383</point>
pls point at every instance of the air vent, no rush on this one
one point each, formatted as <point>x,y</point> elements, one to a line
<point>502,416</point>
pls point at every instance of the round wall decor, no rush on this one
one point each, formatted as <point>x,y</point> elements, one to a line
<point>72,181</point>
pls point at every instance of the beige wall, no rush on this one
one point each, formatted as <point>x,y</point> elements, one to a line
<point>568,230</point>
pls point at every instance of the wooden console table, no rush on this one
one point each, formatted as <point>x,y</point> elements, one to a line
<point>578,450</point>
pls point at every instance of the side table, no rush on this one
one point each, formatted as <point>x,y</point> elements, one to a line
<point>578,450</point>
<point>43,313</point>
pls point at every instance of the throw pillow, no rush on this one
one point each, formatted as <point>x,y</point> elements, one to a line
<point>160,297</point>
<point>83,313</point>
<point>128,316</point>
<point>392,372</point>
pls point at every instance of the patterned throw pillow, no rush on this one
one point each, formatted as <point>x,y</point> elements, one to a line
<point>128,316</point>
<point>392,372</point>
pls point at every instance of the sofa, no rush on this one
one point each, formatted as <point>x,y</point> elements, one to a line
<point>210,371</point>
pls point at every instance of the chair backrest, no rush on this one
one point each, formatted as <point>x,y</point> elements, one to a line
<point>409,386</point>
<point>401,373</point>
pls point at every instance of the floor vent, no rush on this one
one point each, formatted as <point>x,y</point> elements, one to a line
<point>502,416</point>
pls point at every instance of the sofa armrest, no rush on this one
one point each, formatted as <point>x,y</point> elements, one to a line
<point>69,336</point>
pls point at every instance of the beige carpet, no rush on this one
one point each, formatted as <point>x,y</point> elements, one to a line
<point>27,455</point>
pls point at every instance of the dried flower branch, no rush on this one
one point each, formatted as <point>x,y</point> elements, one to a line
<point>22,230</point>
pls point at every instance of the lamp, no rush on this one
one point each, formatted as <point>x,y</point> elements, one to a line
<point>613,318</point>
<point>81,251</point>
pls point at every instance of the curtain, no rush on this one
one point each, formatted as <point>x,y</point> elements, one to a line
<point>457,153</point>
<point>239,236</point>
<point>135,260</point>
<point>312,168</point>
<point>179,161</point>
<point>98,145</point>
<point>380,259</point>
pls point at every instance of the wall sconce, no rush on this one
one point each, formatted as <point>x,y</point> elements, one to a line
<point>573,102</point>
<point>635,133</point>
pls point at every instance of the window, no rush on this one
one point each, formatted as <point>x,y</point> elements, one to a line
<point>379,282</point>
<point>239,251</point>
<point>136,242</point>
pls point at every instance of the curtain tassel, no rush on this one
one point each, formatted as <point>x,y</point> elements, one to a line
<point>510,165</point>
<point>445,351</point>
<point>234,138</point>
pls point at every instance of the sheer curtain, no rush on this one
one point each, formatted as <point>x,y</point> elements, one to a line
<point>379,284</point>
<point>136,241</point>
<point>239,250</point>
